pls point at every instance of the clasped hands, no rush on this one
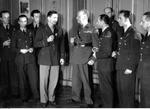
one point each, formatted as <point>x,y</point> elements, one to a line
<point>7,42</point>
<point>50,38</point>
<point>24,51</point>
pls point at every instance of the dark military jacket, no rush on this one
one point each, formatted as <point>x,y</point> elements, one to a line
<point>143,74</point>
<point>50,53</point>
<point>6,51</point>
<point>117,33</point>
<point>128,54</point>
<point>34,29</point>
<point>144,61</point>
<point>20,41</point>
<point>31,27</point>
<point>104,59</point>
<point>86,39</point>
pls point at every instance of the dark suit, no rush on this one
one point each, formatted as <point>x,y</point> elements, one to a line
<point>51,52</point>
<point>25,64</point>
<point>143,72</point>
<point>8,75</point>
<point>87,36</point>
<point>34,29</point>
<point>36,50</point>
<point>127,58</point>
<point>105,67</point>
<point>117,33</point>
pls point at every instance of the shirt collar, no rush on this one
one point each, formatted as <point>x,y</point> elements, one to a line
<point>104,28</point>
<point>23,29</point>
<point>6,25</point>
<point>148,33</point>
<point>36,24</point>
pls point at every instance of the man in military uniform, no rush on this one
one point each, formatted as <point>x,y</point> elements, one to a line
<point>36,23</point>
<point>127,61</point>
<point>144,63</point>
<point>118,30</point>
<point>105,62</point>
<point>82,52</point>
<point>8,74</point>
<point>117,33</point>
<point>22,43</point>
<point>51,55</point>
<point>34,26</point>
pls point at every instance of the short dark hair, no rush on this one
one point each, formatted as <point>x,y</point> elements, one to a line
<point>127,14</point>
<point>21,16</point>
<point>49,14</point>
<point>35,11</point>
<point>105,18</point>
<point>147,14</point>
<point>4,11</point>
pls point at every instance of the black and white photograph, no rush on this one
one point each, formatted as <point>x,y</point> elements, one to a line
<point>74,54</point>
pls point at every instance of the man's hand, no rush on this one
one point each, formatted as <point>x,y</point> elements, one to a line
<point>6,43</point>
<point>94,49</point>
<point>114,54</point>
<point>91,62</point>
<point>94,54</point>
<point>50,38</point>
<point>23,51</point>
<point>128,71</point>
<point>30,50</point>
<point>62,61</point>
<point>72,40</point>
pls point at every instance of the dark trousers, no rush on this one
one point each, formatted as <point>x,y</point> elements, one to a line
<point>106,87</point>
<point>126,89</point>
<point>143,84</point>
<point>80,76</point>
<point>9,77</point>
<point>28,80</point>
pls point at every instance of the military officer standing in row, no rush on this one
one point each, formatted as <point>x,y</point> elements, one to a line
<point>118,30</point>
<point>105,62</point>
<point>143,72</point>
<point>34,26</point>
<point>127,61</point>
<point>117,33</point>
<point>83,43</point>
<point>36,21</point>
<point>22,44</point>
<point>8,74</point>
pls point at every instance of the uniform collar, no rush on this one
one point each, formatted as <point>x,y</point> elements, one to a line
<point>105,28</point>
<point>23,29</point>
<point>146,37</point>
<point>36,24</point>
<point>49,29</point>
<point>5,25</point>
<point>129,28</point>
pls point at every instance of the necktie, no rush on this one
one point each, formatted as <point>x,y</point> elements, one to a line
<point>36,27</point>
<point>24,31</point>
<point>7,27</point>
